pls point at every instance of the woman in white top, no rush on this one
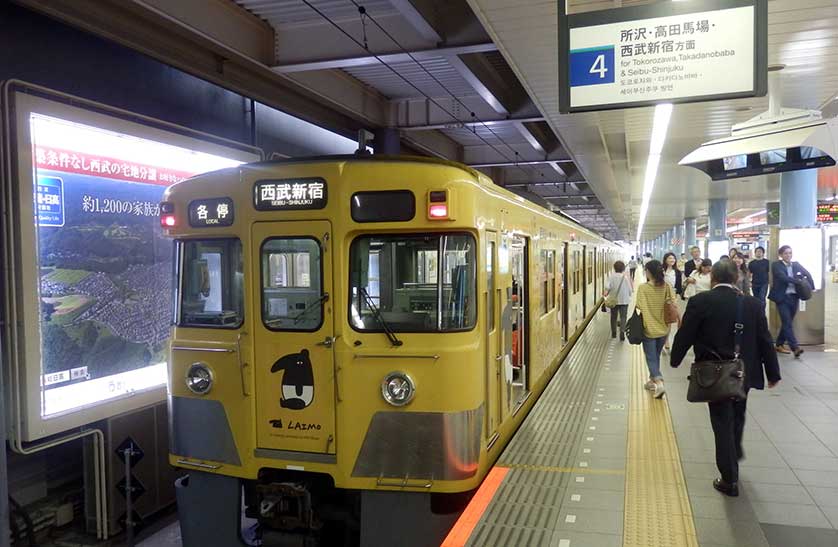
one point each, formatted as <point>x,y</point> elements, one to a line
<point>699,280</point>
<point>620,286</point>
<point>672,275</point>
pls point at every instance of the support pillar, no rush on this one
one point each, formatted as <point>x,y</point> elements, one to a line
<point>689,232</point>
<point>679,235</point>
<point>717,230</point>
<point>798,199</point>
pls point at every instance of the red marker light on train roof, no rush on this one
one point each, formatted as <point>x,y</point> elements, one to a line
<point>168,221</point>
<point>438,211</point>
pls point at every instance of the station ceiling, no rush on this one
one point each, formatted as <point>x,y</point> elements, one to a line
<point>610,148</point>
<point>474,81</point>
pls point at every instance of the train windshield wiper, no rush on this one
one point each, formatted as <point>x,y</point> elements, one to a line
<point>377,314</point>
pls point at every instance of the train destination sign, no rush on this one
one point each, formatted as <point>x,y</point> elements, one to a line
<point>827,211</point>
<point>639,56</point>
<point>290,194</point>
<point>211,212</point>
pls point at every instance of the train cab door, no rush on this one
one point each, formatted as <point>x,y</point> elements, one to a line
<point>293,336</point>
<point>494,355</point>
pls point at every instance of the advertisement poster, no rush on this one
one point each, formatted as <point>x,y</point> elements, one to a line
<point>105,268</point>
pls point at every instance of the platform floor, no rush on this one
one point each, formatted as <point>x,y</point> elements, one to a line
<point>599,462</point>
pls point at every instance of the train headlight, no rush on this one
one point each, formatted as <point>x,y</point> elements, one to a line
<point>398,388</point>
<point>199,378</point>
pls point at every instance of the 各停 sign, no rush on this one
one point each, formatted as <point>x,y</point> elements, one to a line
<point>639,56</point>
<point>827,212</point>
<point>211,212</point>
<point>290,194</point>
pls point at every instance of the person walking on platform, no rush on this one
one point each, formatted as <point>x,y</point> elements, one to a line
<point>786,275</point>
<point>759,274</point>
<point>743,282</point>
<point>619,289</point>
<point>632,268</point>
<point>652,296</point>
<point>673,277</point>
<point>691,265</point>
<point>708,327</point>
<point>698,281</point>
<point>682,261</point>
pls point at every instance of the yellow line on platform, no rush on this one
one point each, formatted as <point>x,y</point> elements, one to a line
<point>553,469</point>
<point>657,507</point>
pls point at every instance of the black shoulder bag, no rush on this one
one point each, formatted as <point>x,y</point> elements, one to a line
<point>716,381</point>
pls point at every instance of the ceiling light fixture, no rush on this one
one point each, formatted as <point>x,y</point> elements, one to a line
<point>757,214</point>
<point>660,125</point>
<point>740,227</point>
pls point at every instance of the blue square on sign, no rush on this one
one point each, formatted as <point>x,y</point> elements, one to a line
<point>49,201</point>
<point>592,66</point>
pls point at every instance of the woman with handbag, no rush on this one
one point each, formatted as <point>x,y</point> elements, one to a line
<point>728,332</point>
<point>699,279</point>
<point>656,304</point>
<point>672,275</point>
<point>618,297</point>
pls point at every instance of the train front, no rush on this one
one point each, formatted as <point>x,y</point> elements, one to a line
<point>326,366</point>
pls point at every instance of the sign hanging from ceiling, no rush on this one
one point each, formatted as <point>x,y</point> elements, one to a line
<point>666,52</point>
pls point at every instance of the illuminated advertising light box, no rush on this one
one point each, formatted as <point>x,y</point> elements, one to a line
<point>89,301</point>
<point>717,249</point>
<point>807,247</point>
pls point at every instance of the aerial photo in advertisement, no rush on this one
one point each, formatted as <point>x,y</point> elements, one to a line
<point>105,267</point>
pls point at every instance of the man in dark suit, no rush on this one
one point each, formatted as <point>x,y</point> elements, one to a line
<point>785,276</point>
<point>708,326</point>
<point>694,263</point>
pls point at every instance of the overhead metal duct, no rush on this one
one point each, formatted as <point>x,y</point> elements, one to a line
<point>775,141</point>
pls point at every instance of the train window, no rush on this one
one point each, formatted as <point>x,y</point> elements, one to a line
<point>292,292</point>
<point>211,283</point>
<point>414,283</point>
<point>386,206</point>
<point>548,286</point>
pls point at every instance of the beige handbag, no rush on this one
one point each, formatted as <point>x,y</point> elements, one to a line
<point>670,309</point>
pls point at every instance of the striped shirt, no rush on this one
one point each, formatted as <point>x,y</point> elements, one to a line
<point>650,301</point>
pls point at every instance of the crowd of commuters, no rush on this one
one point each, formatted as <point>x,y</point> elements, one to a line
<point>694,303</point>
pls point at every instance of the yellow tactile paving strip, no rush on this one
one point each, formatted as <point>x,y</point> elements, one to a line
<point>657,507</point>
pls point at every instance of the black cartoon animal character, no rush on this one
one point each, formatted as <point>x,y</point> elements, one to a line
<point>297,381</point>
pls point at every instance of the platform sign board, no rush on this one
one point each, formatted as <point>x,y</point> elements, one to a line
<point>827,212</point>
<point>772,214</point>
<point>93,268</point>
<point>666,52</point>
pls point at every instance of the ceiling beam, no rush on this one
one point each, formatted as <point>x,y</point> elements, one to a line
<point>412,14</point>
<point>520,163</point>
<point>497,122</point>
<point>530,137</point>
<point>391,57</point>
<point>477,84</point>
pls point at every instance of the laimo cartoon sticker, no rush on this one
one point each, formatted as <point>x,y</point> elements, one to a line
<point>297,381</point>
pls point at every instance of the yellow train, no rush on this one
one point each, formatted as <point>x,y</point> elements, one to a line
<point>356,339</point>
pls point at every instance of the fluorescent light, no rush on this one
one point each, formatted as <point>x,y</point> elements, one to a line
<point>660,125</point>
<point>745,226</point>
<point>758,213</point>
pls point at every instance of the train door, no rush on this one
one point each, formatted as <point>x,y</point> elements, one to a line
<point>566,279</point>
<point>585,290</point>
<point>293,336</point>
<point>518,257</point>
<point>494,356</point>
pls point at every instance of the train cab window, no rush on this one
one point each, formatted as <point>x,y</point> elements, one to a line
<point>414,283</point>
<point>292,293</point>
<point>211,293</point>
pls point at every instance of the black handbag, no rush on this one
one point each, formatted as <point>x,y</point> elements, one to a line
<point>716,381</point>
<point>634,328</point>
<point>803,287</point>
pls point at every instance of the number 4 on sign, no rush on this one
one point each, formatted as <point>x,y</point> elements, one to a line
<point>599,66</point>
